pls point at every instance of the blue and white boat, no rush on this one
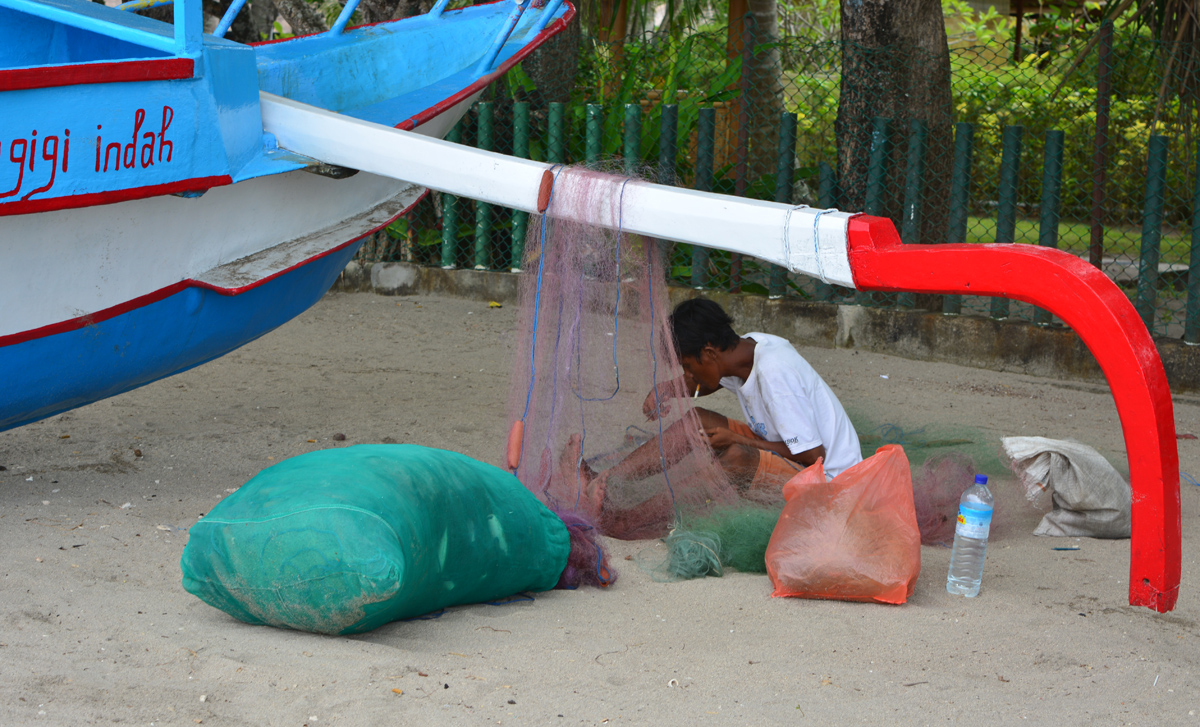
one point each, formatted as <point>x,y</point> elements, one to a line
<point>149,224</point>
<point>157,209</point>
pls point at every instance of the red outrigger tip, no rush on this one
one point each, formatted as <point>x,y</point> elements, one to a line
<point>1096,309</point>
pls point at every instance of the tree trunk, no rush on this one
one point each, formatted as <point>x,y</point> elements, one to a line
<point>612,25</point>
<point>251,25</point>
<point>765,96</point>
<point>613,21</point>
<point>377,11</point>
<point>896,65</point>
<point>757,22</point>
<point>304,18</point>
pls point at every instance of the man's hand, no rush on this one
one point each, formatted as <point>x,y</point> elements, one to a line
<point>657,404</point>
<point>720,438</point>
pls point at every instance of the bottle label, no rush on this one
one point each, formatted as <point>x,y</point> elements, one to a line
<point>973,523</point>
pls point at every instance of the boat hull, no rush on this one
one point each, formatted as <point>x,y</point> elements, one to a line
<point>177,332</point>
<point>136,291</point>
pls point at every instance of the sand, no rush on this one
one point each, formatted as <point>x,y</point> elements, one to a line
<point>96,629</point>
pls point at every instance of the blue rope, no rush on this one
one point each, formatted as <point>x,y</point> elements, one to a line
<point>1189,478</point>
<point>616,307</point>
<point>895,434</point>
<point>537,301</point>
<point>582,444</point>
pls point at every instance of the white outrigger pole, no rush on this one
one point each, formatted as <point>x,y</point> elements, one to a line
<point>852,250</point>
<point>805,240</point>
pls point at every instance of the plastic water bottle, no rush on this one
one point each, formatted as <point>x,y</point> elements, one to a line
<point>970,540</point>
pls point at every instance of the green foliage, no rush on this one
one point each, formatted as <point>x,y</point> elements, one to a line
<point>991,97</point>
<point>619,73</point>
<point>816,21</point>
<point>519,82</point>
<point>965,24</point>
<point>400,229</point>
<point>1063,22</point>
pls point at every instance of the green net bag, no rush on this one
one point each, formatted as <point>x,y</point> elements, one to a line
<point>342,541</point>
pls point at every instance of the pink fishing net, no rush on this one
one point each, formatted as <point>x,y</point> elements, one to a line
<point>594,343</point>
<point>937,486</point>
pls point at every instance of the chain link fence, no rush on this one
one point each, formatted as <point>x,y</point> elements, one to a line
<point>1096,157</point>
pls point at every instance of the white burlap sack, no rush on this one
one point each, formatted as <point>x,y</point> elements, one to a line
<point>1090,497</point>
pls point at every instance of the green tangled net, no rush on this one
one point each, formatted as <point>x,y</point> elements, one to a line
<point>706,545</point>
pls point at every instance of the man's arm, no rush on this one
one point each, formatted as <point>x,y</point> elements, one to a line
<point>720,438</point>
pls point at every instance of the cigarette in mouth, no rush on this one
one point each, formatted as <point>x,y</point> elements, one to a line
<point>697,391</point>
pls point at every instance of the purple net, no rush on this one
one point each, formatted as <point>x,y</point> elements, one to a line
<point>593,345</point>
<point>587,561</point>
<point>937,487</point>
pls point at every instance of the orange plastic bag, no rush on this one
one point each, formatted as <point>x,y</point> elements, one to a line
<point>854,538</point>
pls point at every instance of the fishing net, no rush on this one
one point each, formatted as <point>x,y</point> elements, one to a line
<point>945,457</point>
<point>342,541</point>
<point>712,541</point>
<point>926,440</point>
<point>741,533</point>
<point>595,358</point>
<point>938,485</point>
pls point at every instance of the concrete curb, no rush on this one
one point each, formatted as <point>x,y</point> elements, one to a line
<point>1014,346</point>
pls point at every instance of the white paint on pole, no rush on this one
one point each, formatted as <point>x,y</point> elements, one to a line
<point>803,239</point>
<point>815,240</point>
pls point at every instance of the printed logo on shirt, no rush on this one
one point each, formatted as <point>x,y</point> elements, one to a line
<point>759,428</point>
<point>792,441</point>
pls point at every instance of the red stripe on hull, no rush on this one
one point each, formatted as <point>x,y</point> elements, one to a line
<point>77,74</point>
<point>160,294</point>
<point>450,102</point>
<point>94,199</point>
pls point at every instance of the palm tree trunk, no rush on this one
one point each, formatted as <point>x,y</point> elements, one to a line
<point>896,65</point>
<point>756,21</point>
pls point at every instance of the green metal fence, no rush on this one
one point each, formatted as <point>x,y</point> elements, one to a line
<point>1098,164</point>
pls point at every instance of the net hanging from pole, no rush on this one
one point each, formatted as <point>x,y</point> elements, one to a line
<point>593,344</point>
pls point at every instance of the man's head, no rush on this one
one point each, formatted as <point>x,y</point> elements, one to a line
<point>701,329</point>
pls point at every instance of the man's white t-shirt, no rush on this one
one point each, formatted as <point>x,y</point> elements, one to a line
<point>786,400</point>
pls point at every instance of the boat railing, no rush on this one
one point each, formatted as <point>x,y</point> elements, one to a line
<point>222,28</point>
<point>547,15</point>
<point>343,17</point>
<point>189,24</point>
<point>488,63</point>
<point>227,19</point>
<point>489,58</point>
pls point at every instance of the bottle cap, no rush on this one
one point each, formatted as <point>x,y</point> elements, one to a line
<point>981,479</point>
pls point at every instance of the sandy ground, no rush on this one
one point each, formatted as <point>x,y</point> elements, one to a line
<point>96,629</point>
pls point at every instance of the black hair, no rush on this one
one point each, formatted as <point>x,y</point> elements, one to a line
<point>699,322</point>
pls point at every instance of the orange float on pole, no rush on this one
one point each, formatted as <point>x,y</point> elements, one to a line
<point>1096,309</point>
